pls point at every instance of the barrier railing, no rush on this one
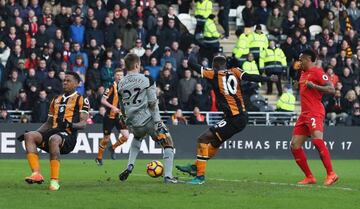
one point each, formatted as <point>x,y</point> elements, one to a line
<point>255,118</point>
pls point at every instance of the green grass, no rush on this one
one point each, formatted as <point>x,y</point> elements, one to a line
<point>230,184</point>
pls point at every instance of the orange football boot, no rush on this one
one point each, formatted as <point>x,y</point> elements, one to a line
<point>35,177</point>
<point>331,179</point>
<point>308,180</point>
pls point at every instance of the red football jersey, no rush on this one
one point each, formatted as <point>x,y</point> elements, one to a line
<point>311,98</point>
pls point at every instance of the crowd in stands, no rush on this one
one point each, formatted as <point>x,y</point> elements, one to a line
<point>42,39</point>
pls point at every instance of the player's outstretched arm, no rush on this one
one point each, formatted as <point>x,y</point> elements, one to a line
<point>258,78</point>
<point>328,88</point>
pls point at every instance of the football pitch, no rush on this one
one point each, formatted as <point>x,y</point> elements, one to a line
<point>263,184</point>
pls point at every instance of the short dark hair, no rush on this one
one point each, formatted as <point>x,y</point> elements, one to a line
<point>310,53</point>
<point>75,75</point>
<point>117,70</point>
<point>219,62</point>
<point>130,60</point>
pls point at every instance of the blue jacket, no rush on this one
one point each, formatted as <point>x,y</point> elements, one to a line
<point>154,71</point>
<point>77,33</point>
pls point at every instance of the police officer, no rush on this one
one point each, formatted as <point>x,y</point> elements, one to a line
<point>203,8</point>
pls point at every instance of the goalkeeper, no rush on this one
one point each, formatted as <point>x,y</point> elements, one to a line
<point>138,102</point>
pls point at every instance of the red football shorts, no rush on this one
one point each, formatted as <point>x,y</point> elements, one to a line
<point>306,124</point>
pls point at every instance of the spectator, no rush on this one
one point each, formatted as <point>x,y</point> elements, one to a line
<point>167,58</point>
<point>93,76</point>
<point>95,33</point>
<point>14,85</point>
<point>141,31</point>
<point>52,85</point>
<point>107,73</point>
<point>152,18</point>
<point>177,118</point>
<point>54,7</point>
<point>161,99</point>
<point>335,110</point>
<point>77,31</point>
<point>157,31</point>
<point>14,58</point>
<point>77,51</point>
<point>63,19</point>
<point>249,15</point>
<point>224,11</point>
<point>41,108</point>
<point>262,12</point>
<point>4,116</point>
<point>4,53</point>
<point>289,23</point>
<point>99,11</point>
<point>177,53</point>
<point>138,49</point>
<point>322,11</point>
<point>154,47</point>
<point>302,46</point>
<point>41,72</point>
<point>153,68</point>
<point>167,83</point>
<point>332,76</point>
<point>197,118</point>
<point>303,28</point>
<point>119,51</point>
<point>286,102</point>
<point>199,99</point>
<point>22,102</point>
<point>170,32</point>
<point>128,35</point>
<point>309,12</point>
<point>353,11</point>
<point>274,22</point>
<point>24,119</point>
<point>354,119</point>
<point>99,117</point>
<point>185,89</point>
<point>348,80</point>
<point>331,23</point>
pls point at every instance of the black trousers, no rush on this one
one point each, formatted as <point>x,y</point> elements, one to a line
<point>270,83</point>
<point>224,19</point>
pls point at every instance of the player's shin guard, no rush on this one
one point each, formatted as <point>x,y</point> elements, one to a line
<point>102,147</point>
<point>33,159</point>
<point>54,169</point>
<point>301,160</point>
<point>324,154</point>
<point>119,142</point>
<point>201,158</point>
<point>134,151</point>
<point>168,161</point>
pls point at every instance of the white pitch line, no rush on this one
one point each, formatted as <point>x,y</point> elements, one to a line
<point>274,183</point>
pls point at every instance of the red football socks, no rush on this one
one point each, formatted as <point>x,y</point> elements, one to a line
<point>324,154</point>
<point>301,160</point>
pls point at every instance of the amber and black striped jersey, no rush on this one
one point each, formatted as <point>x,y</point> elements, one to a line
<point>112,96</point>
<point>227,87</point>
<point>68,108</point>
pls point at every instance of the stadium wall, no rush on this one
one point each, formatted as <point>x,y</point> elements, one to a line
<point>268,142</point>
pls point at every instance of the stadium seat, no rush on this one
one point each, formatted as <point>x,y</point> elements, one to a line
<point>314,30</point>
<point>188,21</point>
<point>257,97</point>
<point>263,29</point>
<point>239,18</point>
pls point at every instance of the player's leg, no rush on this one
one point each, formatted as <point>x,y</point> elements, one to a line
<point>108,125</point>
<point>55,142</point>
<point>139,134</point>
<point>168,157</point>
<point>300,157</point>
<point>123,137</point>
<point>33,140</point>
<point>318,142</point>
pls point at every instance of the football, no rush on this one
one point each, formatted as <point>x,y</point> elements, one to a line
<point>155,169</point>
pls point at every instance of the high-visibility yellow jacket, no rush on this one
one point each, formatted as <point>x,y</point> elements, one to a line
<point>203,8</point>
<point>210,30</point>
<point>274,56</point>
<point>242,46</point>
<point>259,41</point>
<point>250,67</point>
<point>286,102</point>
